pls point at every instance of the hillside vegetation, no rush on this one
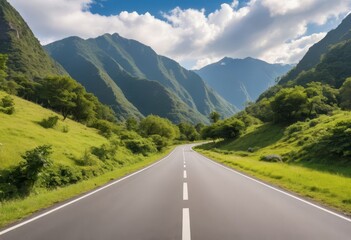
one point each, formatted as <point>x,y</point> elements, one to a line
<point>311,158</point>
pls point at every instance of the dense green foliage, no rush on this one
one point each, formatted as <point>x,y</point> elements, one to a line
<point>231,128</point>
<point>214,117</point>
<point>7,105</point>
<point>188,132</point>
<point>155,125</point>
<point>345,95</point>
<point>291,104</point>
<point>20,180</point>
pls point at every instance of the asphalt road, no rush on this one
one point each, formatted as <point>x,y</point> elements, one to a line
<point>185,196</point>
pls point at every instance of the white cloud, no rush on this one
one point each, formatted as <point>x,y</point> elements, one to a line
<point>272,30</point>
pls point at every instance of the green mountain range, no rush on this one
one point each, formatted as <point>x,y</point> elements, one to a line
<point>135,81</point>
<point>25,54</point>
<point>241,80</point>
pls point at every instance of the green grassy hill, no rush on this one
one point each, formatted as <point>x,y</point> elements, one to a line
<point>20,132</point>
<point>311,158</point>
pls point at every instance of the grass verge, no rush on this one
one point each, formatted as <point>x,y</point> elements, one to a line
<point>15,210</point>
<point>330,189</point>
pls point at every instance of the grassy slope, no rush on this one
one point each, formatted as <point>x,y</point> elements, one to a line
<point>326,182</point>
<point>21,132</point>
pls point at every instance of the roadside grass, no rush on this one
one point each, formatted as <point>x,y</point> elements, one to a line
<point>322,178</point>
<point>20,132</point>
<point>332,190</point>
<point>15,210</point>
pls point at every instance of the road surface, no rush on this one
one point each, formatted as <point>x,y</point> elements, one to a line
<point>184,196</point>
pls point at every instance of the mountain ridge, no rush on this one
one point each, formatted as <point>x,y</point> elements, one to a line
<point>315,53</point>
<point>241,80</point>
<point>115,59</point>
<point>25,54</point>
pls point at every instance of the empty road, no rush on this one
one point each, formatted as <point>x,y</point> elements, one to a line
<point>184,196</point>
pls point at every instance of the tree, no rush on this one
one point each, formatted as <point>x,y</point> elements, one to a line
<point>3,68</point>
<point>132,124</point>
<point>68,97</point>
<point>155,125</point>
<point>59,93</point>
<point>199,127</point>
<point>214,117</point>
<point>345,95</point>
<point>288,103</point>
<point>188,132</point>
<point>231,129</point>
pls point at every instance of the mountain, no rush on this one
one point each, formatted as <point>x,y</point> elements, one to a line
<point>25,54</point>
<point>315,54</point>
<point>135,81</point>
<point>241,80</point>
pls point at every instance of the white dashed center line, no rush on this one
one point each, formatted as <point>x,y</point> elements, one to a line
<point>185,191</point>
<point>186,225</point>
<point>184,174</point>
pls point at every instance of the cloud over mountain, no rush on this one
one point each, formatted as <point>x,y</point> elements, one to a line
<point>273,30</point>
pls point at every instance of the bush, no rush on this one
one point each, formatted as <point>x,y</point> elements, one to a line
<point>65,129</point>
<point>88,159</point>
<point>7,105</point>
<point>49,122</point>
<point>25,175</point>
<point>7,101</point>
<point>59,176</point>
<point>8,110</point>
<point>103,152</point>
<point>160,142</point>
<point>296,127</point>
<point>105,128</point>
<point>141,146</point>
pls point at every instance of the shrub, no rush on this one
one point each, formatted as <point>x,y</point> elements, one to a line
<point>27,172</point>
<point>87,159</point>
<point>65,129</point>
<point>160,142</point>
<point>105,128</point>
<point>296,127</point>
<point>7,105</point>
<point>8,110</point>
<point>7,101</point>
<point>59,176</point>
<point>103,153</point>
<point>49,122</point>
<point>141,145</point>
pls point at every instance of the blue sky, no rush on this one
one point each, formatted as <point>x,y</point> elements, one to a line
<point>276,31</point>
<point>155,7</point>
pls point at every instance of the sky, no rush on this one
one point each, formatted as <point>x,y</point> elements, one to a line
<point>193,32</point>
